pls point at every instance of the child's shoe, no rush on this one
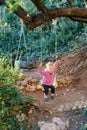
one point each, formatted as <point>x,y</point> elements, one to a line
<point>52,97</point>
<point>46,99</point>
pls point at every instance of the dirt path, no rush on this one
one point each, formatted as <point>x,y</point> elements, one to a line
<point>63,95</point>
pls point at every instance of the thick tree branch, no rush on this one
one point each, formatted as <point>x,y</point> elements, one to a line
<point>54,13</point>
<point>21,13</point>
<point>40,6</point>
<point>35,20</point>
<point>40,18</point>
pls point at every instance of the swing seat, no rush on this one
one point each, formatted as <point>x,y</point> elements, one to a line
<point>39,87</point>
<point>56,84</point>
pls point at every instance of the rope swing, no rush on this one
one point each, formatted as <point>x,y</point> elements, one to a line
<point>41,46</point>
<point>22,36</point>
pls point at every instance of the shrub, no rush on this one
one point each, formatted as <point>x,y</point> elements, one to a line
<point>84,127</point>
<point>11,99</point>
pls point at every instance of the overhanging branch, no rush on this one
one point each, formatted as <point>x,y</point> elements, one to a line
<point>40,6</point>
<point>38,19</point>
<point>41,18</point>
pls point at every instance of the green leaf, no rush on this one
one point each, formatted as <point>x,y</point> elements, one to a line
<point>15,6</point>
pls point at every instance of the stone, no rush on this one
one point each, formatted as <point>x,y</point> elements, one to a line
<point>49,126</point>
<point>60,108</point>
<point>40,123</point>
<point>32,88</point>
<point>67,107</point>
<point>24,83</point>
<point>60,123</point>
<point>67,123</point>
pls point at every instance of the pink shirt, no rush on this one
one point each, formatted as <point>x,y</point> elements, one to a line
<point>48,78</point>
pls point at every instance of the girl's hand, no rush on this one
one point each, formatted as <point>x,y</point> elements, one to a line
<point>41,64</point>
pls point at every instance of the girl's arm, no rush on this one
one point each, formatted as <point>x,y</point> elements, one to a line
<point>40,71</point>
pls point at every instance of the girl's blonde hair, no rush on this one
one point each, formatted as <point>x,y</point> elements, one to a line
<point>49,64</point>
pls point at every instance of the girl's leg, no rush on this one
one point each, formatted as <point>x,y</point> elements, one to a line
<point>52,92</point>
<point>45,92</point>
<point>52,89</point>
<point>45,89</point>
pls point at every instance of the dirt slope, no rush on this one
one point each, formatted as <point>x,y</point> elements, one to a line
<point>72,68</point>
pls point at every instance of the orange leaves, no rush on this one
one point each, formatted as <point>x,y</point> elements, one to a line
<point>30,84</point>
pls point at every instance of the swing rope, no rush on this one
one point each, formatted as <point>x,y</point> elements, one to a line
<point>41,51</point>
<point>55,78</point>
<point>41,46</point>
<point>22,33</point>
<point>21,30</point>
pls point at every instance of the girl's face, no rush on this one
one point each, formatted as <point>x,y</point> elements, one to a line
<point>50,68</point>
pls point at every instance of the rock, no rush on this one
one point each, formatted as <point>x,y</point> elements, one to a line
<point>49,126</point>
<point>67,107</point>
<point>60,108</point>
<point>40,123</point>
<point>67,123</point>
<point>77,104</point>
<point>58,128</point>
<point>74,107</point>
<point>27,88</point>
<point>32,88</point>
<point>30,111</point>
<point>24,83</point>
<point>29,79</point>
<point>21,117</point>
<point>60,123</point>
<point>19,83</point>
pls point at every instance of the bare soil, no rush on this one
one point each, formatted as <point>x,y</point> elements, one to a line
<point>72,75</point>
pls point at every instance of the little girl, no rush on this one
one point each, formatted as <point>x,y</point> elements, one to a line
<point>48,79</point>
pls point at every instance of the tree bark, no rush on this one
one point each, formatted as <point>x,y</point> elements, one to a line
<point>38,19</point>
<point>40,6</point>
<point>46,14</point>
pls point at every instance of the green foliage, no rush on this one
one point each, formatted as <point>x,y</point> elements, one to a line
<point>84,127</point>
<point>11,99</point>
<point>59,35</point>
<point>8,77</point>
<point>13,4</point>
<point>36,127</point>
<point>85,112</point>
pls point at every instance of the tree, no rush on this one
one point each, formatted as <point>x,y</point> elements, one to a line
<point>45,14</point>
